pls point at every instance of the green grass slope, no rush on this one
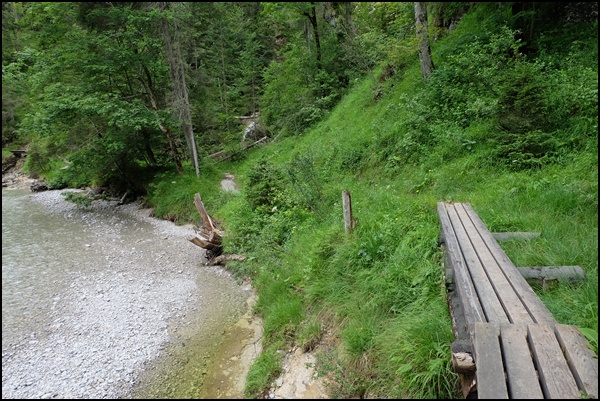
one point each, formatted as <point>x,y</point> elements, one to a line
<point>514,136</point>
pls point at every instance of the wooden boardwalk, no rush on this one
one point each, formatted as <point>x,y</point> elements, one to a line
<point>518,348</point>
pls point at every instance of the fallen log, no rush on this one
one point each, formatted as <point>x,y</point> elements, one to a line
<point>225,156</point>
<point>209,236</point>
<point>223,258</point>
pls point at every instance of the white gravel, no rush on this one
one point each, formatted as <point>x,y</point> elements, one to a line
<point>112,321</point>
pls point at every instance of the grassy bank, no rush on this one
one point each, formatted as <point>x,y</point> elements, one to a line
<point>376,296</point>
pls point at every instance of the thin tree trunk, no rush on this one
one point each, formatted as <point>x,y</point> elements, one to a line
<point>313,21</point>
<point>224,99</point>
<point>164,129</point>
<point>312,17</point>
<point>181,103</point>
<point>423,39</point>
<point>147,147</point>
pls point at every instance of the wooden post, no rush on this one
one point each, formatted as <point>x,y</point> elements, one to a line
<point>349,221</point>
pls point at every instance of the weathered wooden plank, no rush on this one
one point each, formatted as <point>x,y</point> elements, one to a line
<point>518,235</point>
<point>561,273</point>
<point>536,307</point>
<point>492,306</point>
<point>522,377</point>
<point>555,375</point>
<point>468,296</point>
<point>491,382</point>
<point>504,291</point>
<point>580,357</point>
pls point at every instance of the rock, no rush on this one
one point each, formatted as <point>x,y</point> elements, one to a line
<point>38,186</point>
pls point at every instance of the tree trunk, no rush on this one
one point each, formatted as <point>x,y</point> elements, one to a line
<point>154,103</point>
<point>423,39</point>
<point>147,147</point>
<point>181,105</point>
<point>312,17</point>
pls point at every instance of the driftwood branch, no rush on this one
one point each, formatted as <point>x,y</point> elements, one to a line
<point>223,258</point>
<point>209,237</point>
<point>205,217</point>
<point>123,197</point>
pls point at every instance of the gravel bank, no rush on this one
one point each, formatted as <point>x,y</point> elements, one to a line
<point>113,319</point>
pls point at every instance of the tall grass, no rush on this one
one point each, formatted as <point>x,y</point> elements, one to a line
<point>378,293</point>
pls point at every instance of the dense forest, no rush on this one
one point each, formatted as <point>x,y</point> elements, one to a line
<point>402,104</point>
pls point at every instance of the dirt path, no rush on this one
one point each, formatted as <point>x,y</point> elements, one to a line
<point>228,184</point>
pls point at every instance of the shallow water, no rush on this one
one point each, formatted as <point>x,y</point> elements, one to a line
<point>39,253</point>
<point>101,280</point>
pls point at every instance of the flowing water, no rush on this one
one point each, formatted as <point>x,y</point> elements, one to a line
<point>105,302</point>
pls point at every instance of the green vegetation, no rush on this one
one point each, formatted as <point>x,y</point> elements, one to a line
<point>520,154</point>
<point>508,121</point>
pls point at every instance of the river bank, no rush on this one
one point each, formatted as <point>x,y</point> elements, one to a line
<point>137,325</point>
<point>136,292</point>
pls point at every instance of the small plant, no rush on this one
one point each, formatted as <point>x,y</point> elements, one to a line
<point>304,177</point>
<point>264,188</point>
<point>309,335</point>
<point>81,199</point>
<point>592,337</point>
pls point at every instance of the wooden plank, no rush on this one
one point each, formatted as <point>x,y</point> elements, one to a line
<point>522,377</point>
<point>518,235</point>
<point>492,307</point>
<point>468,296</point>
<point>491,382</point>
<point>571,274</point>
<point>580,357</point>
<point>511,302</point>
<point>555,375</point>
<point>534,304</point>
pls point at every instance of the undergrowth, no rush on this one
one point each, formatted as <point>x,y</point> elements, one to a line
<point>514,134</point>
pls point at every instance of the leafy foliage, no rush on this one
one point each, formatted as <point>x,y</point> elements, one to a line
<point>508,120</point>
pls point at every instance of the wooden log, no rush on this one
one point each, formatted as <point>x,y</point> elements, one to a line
<point>559,273</point>
<point>462,362</point>
<point>223,258</point>
<point>519,235</point>
<point>227,156</point>
<point>349,222</point>
<point>19,152</point>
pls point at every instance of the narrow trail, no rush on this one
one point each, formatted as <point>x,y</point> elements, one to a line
<point>228,183</point>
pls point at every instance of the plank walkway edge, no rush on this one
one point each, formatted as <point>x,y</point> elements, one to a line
<point>508,344</point>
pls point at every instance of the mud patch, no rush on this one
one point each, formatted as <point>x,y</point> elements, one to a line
<point>242,345</point>
<point>299,378</point>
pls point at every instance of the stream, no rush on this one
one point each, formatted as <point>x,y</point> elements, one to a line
<point>108,302</point>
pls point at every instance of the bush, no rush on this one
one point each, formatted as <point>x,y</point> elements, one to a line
<point>264,188</point>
